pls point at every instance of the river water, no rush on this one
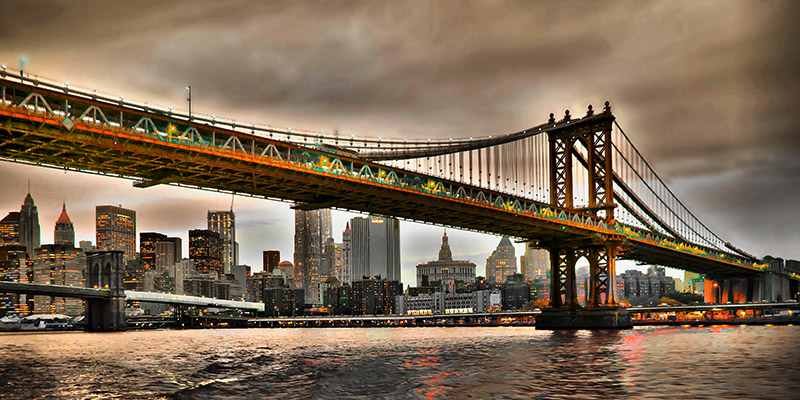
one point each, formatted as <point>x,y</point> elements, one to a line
<point>658,362</point>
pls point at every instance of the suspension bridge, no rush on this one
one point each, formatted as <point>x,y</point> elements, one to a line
<point>575,184</point>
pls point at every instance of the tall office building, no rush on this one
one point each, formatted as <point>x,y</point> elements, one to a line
<point>29,235</point>
<point>56,264</point>
<point>116,230</point>
<point>535,263</point>
<point>502,262</point>
<point>345,274</point>
<point>205,250</point>
<point>65,231</point>
<point>147,248</point>
<point>224,223</point>
<point>375,248</point>
<point>271,260</point>
<point>311,230</point>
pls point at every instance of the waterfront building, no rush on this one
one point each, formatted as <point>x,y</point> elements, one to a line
<point>535,263</point>
<point>147,248</point>
<point>224,223</point>
<point>502,262</point>
<point>693,282</point>
<point>205,249</point>
<point>375,248</point>
<point>272,259</point>
<point>445,268</point>
<point>64,232</point>
<point>56,264</point>
<point>447,303</point>
<point>540,289</point>
<point>375,296</point>
<point>29,235</point>
<point>516,292</point>
<point>635,284</point>
<point>339,299</point>
<point>311,231</point>
<point>284,302</point>
<point>116,230</point>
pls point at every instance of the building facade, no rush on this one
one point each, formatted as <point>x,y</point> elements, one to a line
<point>272,258</point>
<point>205,250</point>
<point>311,231</point>
<point>147,248</point>
<point>502,262</point>
<point>375,296</point>
<point>55,264</point>
<point>535,263</point>
<point>64,232</point>
<point>224,223</point>
<point>375,248</point>
<point>116,230</point>
<point>445,268</point>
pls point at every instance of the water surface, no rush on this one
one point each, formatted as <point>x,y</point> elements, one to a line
<point>720,362</point>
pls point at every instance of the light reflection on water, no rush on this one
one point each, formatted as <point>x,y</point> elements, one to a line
<point>712,362</point>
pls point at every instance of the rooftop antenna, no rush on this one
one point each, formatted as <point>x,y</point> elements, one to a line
<point>233,196</point>
<point>29,185</point>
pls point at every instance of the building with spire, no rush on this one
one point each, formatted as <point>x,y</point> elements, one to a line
<point>29,235</point>
<point>64,232</point>
<point>502,262</point>
<point>445,268</point>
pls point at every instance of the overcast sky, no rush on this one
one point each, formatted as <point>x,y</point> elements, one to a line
<point>708,91</point>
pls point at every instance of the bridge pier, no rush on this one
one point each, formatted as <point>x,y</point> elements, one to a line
<point>105,270</point>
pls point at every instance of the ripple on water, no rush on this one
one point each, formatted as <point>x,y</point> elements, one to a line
<point>405,363</point>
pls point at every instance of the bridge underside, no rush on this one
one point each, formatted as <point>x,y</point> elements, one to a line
<point>117,154</point>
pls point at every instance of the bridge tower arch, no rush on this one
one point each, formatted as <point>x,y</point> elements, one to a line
<point>593,132</point>
<point>105,270</point>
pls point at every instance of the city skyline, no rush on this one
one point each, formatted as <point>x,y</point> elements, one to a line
<point>708,138</point>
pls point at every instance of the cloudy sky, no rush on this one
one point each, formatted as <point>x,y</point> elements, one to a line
<point>708,91</point>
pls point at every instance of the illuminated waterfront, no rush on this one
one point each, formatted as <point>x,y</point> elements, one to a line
<point>519,362</point>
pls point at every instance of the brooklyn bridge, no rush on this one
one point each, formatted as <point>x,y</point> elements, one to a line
<point>574,184</point>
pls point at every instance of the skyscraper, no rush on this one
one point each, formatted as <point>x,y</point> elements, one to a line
<point>271,260</point>
<point>65,231</point>
<point>375,248</point>
<point>535,263</point>
<point>311,230</point>
<point>502,262</point>
<point>56,264</point>
<point>29,235</point>
<point>345,274</point>
<point>224,223</point>
<point>165,253</point>
<point>205,250</point>
<point>116,230</point>
<point>147,248</point>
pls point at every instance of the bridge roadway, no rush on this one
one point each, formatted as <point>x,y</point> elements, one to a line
<point>130,295</point>
<point>708,307</point>
<point>128,140</point>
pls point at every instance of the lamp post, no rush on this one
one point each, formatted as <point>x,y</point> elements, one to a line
<point>189,99</point>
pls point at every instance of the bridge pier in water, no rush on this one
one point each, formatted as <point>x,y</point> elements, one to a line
<point>105,270</point>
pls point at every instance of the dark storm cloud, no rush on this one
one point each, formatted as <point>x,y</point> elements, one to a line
<point>706,90</point>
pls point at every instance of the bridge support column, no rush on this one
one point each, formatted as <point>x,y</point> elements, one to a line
<point>602,311</point>
<point>105,270</point>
